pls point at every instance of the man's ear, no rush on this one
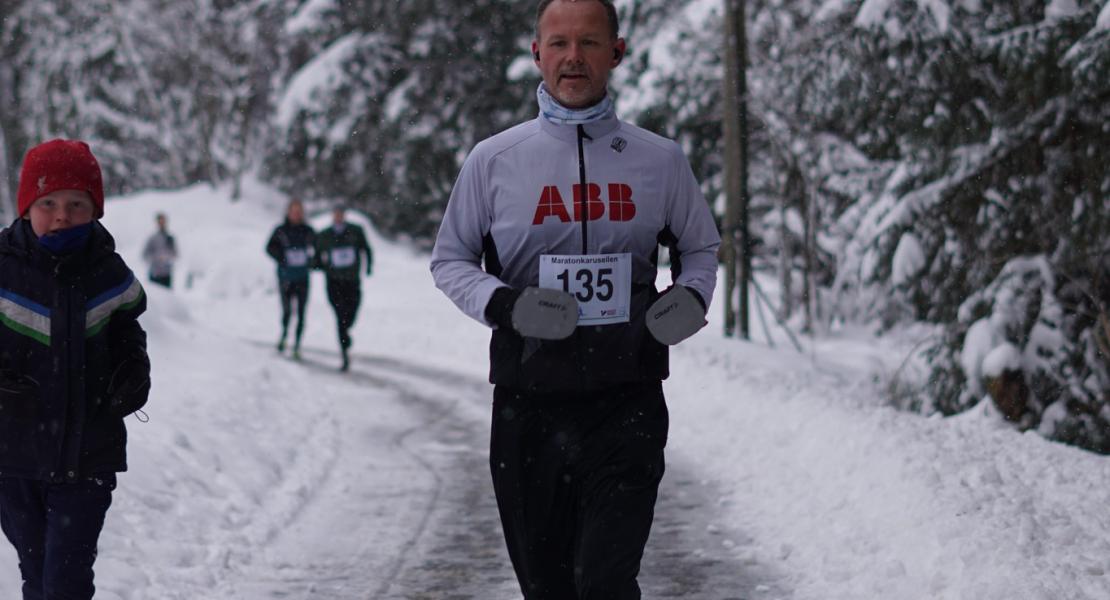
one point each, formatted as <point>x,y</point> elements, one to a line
<point>619,48</point>
<point>536,51</point>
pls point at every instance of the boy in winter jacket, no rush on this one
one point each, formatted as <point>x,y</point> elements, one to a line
<point>73,364</point>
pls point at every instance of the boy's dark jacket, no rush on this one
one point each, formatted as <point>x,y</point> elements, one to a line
<point>73,358</point>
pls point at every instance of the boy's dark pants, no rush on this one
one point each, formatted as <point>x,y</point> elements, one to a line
<point>576,478</point>
<point>345,296</point>
<point>54,528</point>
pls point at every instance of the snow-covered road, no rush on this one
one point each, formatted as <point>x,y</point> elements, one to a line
<point>788,475</point>
<point>405,510</point>
<point>412,467</point>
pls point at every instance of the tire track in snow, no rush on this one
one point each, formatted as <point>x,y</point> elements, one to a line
<point>692,553</point>
<point>368,567</point>
<point>455,550</point>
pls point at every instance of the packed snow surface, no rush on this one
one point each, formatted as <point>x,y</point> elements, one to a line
<point>824,490</point>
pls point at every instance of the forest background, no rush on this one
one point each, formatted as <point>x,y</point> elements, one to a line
<point>934,165</point>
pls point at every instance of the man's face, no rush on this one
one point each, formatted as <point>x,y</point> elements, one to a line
<point>60,210</point>
<point>576,52</point>
<point>161,220</point>
<point>338,216</point>
<point>296,213</point>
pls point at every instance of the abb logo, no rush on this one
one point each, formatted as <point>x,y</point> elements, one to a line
<point>551,204</point>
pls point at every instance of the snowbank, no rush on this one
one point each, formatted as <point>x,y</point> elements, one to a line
<point>848,499</point>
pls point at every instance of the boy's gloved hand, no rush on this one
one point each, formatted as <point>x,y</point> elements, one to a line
<point>676,315</point>
<point>19,395</point>
<point>534,312</point>
<point>130,386</point>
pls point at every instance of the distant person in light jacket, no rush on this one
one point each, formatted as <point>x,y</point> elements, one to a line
<point>160,253</point>
<point>340,251</point>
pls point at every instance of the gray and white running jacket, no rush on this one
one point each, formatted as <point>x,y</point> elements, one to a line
<point>516,199</point>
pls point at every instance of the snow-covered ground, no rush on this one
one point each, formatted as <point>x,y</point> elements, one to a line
<point>258,477</point>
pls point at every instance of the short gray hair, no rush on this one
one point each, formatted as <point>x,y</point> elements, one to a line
<point>610,11</point>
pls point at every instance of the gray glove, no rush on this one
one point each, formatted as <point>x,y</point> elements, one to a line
<point>534,312</point>
<point>676,315</point>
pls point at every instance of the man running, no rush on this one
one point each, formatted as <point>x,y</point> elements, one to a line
<point>292,246</point>
<point>568,211</point>
<point>341,250</point>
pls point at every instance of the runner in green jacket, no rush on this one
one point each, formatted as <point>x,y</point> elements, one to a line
<point>339,252</point>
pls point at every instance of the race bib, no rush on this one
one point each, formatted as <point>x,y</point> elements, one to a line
<point>343,257</point>
<point>296,257</point>
<point>602,284</point>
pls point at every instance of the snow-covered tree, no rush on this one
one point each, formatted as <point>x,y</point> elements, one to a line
<point>993,221</point>
<point>384,100</point>
<point>167,92</point>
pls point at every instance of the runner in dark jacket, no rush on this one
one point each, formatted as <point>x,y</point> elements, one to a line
<point>293,246</point>
<point>73,364</point>
<point>341,250</point>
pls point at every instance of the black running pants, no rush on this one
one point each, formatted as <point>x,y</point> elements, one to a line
<point>576,478</point>
<point>345,296</point>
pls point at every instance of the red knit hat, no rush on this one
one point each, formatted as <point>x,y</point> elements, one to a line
<point>60,165</point>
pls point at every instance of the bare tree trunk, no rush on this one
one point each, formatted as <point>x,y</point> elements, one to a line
<point>1102,338</point>
<point>7,203</point>
<point>807,283</point>
<point>813,301</point>
<point>737,237</point>
<point>786,260</point>
<point>7,177</point>
<point>729,243</point>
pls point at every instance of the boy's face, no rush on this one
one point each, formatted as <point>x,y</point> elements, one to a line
<point>60,210</point>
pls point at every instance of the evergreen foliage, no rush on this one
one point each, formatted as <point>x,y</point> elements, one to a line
<point>950,154</point>
<point>993,123</point>
<point>398,94</point>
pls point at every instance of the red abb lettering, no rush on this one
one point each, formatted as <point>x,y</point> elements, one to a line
<point>621,207</point>
<point>551,205</point>
<point>593,200</point>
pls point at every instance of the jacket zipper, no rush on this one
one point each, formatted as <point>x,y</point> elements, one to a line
<point>583,207</point>
<point>583,190</point>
